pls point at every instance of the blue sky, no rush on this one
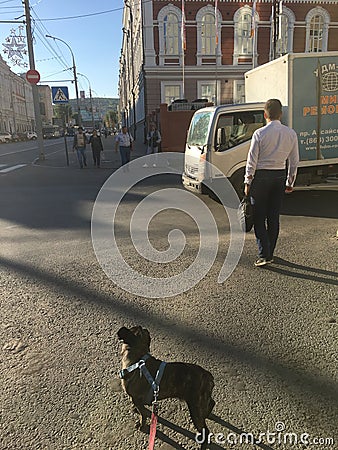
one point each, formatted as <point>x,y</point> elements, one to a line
<point>94,40</point>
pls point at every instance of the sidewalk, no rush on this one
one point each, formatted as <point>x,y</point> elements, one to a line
<point>110,159</point>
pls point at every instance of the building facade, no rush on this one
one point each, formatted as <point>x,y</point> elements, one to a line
<point>16,102</point>
<point>45,103</point>
<point>197,49</point>
<point>17,114</point>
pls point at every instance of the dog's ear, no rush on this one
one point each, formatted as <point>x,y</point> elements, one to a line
<point>146,336</point>
<point>127,336</point>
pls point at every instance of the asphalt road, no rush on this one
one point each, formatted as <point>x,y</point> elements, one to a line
<point>269,336</point>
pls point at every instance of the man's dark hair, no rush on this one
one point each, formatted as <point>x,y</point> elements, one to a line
<point>273,109</point>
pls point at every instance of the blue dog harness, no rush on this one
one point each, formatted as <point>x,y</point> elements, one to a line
<point>154,383</point>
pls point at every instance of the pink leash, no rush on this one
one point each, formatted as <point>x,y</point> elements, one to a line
<point>153,425</point>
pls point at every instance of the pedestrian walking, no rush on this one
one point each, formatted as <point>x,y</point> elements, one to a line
<point>97,147</point>
<point>124,142</point>
<point>273,147</point>
<point>153,141</point>
<point>79,144</point>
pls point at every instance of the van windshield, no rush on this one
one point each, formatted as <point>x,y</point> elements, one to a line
<point>199,127</point>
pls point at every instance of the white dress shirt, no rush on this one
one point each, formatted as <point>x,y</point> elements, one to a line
<point>271,146</point>
<point>124,139</point>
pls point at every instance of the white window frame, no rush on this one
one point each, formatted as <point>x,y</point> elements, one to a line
<point>165,59</point>
<point>216,87</point>
<point>239,87</point>
<point>201,55</point>
<point>245,10</point>
<point>291,19</point>
<point>165,84</point>
<point>318,11</point>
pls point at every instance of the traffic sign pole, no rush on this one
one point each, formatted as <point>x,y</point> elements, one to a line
<point>38,122</point>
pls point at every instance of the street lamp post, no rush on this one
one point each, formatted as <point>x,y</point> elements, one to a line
<point>91,98</point>
<point>75,77</point>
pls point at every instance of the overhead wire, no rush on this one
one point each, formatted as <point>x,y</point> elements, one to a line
<point>40,31</point>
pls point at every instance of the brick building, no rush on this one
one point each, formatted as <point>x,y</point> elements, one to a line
<point>204,53</point>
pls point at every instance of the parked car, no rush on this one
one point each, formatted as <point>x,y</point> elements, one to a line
<point>5,136</point>
<point>31,135</point>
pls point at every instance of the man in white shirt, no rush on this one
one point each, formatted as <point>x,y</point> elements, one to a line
<point>125,142</point>
<point>273,147</point>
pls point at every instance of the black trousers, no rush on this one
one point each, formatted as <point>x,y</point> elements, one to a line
<point>267,191</point>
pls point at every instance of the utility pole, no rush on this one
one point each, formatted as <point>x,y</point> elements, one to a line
<point>35,91</point>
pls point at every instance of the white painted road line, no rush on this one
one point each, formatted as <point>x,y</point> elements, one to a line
<point>9,169</point>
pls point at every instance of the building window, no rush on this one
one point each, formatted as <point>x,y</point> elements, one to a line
<point>208,35</point>
<point>169,28</point>
<point>208,52</point>
<point>317,24</point>
<point>282,43</point>
<point>239,91</point>
<point>316,34</point>
<point>244,39</point>
<point>286,25</point>
<point>170,34</point>
<point>209,90</point>
<point>170,92</point>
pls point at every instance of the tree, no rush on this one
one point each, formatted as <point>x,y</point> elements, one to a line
<point>63,112</point>
<point>111,119</point>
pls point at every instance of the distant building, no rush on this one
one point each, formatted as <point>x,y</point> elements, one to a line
<point>100,107</point>
<point>16,102</point>
<point>45,102</point>
<point>166,56</point>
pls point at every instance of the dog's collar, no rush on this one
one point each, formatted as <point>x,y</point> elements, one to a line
<point>122,373</point>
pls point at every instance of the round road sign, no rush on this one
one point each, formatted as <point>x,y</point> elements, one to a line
<point>33,76</point>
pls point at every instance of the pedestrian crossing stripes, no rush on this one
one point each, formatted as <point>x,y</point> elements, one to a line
<point>11,168</point>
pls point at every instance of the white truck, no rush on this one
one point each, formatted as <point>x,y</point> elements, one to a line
<point>307,86</point>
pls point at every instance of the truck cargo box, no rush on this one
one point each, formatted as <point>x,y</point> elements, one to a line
<point>307,86</point>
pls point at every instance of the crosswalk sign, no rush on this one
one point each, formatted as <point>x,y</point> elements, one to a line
<point>60,94</point>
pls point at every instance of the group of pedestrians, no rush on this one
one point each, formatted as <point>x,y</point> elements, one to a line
<point>80,144</point>
<point>123,142</point>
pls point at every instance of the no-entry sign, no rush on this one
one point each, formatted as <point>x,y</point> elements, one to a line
<point>33,76</point>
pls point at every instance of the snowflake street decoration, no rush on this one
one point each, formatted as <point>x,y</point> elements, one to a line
<point>15,47</point>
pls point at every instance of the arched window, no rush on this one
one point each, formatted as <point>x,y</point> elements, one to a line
<point>244,35</point>
<point>317,25</point>
<point>170,34</point>
<point>169,28</point>
<point>286,29</point>
<point>208,35</point>
<point>208,52</point>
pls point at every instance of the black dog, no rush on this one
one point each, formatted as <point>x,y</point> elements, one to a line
<point>188,382</point>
